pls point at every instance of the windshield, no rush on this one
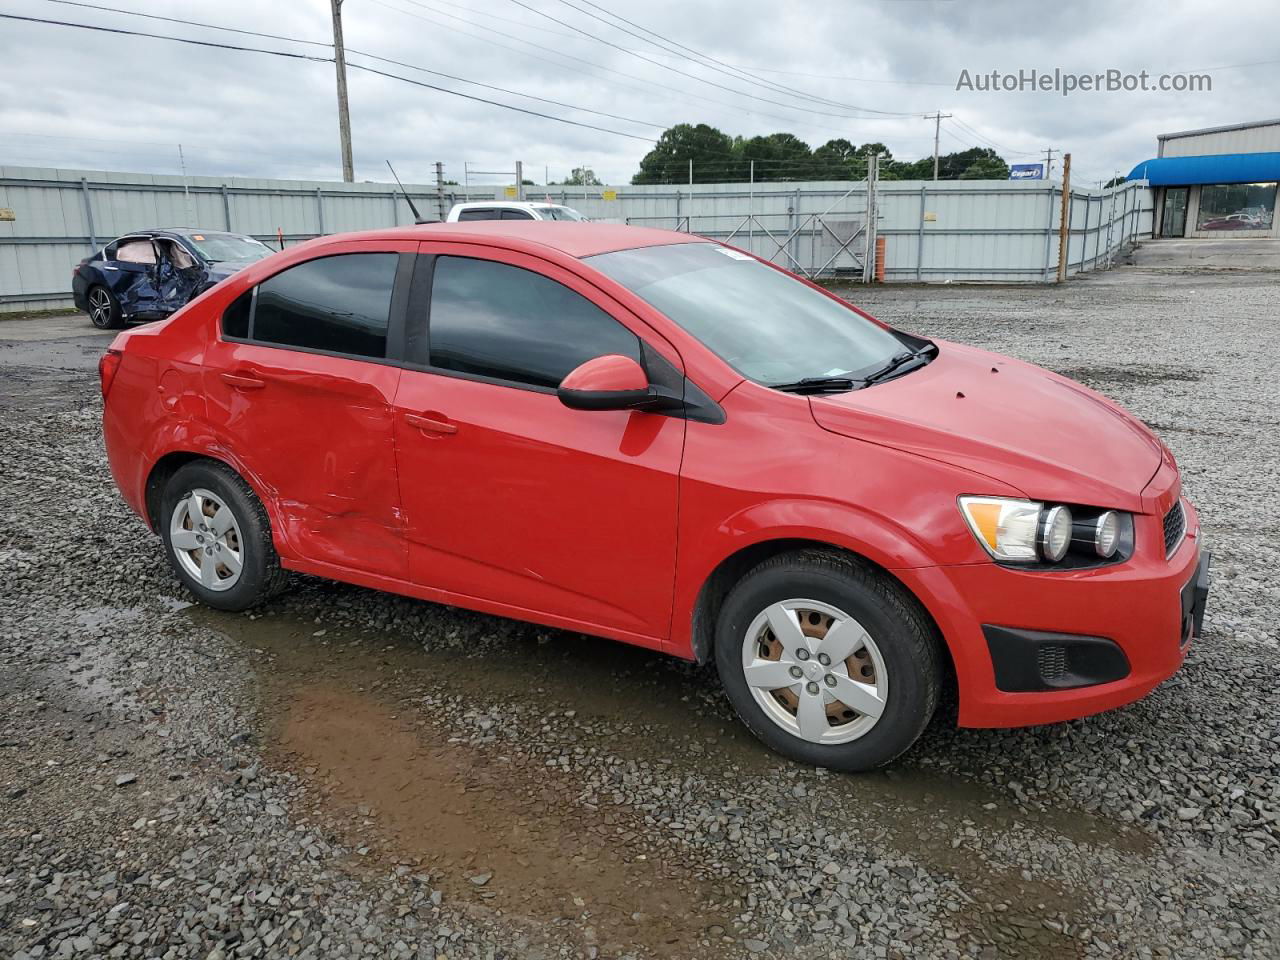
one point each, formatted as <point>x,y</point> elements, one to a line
<point>765,324</point>
<point>216,247</point>
<point>562,213</point>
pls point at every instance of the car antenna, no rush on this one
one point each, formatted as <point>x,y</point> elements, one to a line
<point>417,217</point>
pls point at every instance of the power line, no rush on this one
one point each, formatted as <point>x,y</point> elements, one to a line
<point>1022,153</point>
<point>190,23</point>
<point>713,63</point>
<point>160,36</point>
<point>683,94</point>
<point>494,103</point>
<point>741,93</point>
<point>303,56</point>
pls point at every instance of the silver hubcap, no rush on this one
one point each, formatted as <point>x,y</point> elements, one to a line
<point>815,671</point>
<point>206,540</point>
<point>99,308</point>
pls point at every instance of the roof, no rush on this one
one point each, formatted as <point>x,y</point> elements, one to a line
<point>1217,168</point>
<point>516,204</point>
<point>184,232</point>
<point>1226,128</point>
<point>571,238</point>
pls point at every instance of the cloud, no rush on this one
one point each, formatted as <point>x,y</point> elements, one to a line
<point>75,98</point>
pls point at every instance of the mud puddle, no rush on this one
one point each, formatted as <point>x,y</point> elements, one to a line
<point>346,707</point>
<point>491,830</point>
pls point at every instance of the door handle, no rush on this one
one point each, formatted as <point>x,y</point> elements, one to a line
<point>242,382</point>
<point>430,424</point>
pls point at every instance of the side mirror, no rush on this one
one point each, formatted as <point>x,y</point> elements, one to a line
<point>613,382</point>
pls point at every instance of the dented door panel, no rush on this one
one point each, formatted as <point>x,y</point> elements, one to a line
<point>318,431</point>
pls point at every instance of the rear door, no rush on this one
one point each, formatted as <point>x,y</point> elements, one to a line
<point>299,383</point>
<point>509,496</point>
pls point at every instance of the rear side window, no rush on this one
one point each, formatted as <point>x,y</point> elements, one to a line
<point>477,215</point>
<point>495,320</point>
<point>136,251</point>
<point>339,304</point>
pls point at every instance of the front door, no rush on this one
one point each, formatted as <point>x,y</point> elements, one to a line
<point>298,384</point>
<point>1174,223</point>
<point>509,496</point>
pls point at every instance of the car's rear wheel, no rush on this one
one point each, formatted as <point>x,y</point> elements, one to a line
<point>104,309</point>
<point>828,661</point>
<point>218,537</point>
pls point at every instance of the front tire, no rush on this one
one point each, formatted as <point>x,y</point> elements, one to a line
<point>828,661</point>
<point>217,537</point>
<point>104,309</point>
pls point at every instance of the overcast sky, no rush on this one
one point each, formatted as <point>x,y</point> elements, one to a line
<point>75,98</point>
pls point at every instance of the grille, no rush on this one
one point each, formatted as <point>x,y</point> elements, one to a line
<point>1051,660</point>
<point>1175,525</point>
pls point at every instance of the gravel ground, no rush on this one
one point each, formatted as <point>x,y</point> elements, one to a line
<point>345,773</point>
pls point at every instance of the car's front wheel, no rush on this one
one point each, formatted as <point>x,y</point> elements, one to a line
<point>828,661</point>
<point>218,537</point>
<point>104,309</point>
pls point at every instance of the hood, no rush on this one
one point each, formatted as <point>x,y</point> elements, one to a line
<point>1050,437</point>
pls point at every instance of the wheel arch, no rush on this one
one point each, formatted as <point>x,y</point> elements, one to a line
<point>172,461</point>
<point>716,587</point>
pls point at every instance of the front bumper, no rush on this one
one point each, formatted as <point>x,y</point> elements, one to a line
<point>1149,606</point>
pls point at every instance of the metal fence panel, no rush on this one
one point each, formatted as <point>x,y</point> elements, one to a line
<point>933,231</point>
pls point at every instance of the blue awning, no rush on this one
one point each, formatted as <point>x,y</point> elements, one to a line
<point>1222,168</point>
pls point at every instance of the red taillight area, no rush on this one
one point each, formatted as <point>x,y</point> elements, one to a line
<point>107,368</point>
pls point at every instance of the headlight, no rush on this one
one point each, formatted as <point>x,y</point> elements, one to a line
<point>1099,535</point>
<point>1054,536</point>
<point>1018,531</point>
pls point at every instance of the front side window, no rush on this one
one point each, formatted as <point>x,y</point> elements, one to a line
<point>495,320</point>
<point>765,324</point>
<point>464,215</point>
<point>516,215</point>
<point>339,304</point>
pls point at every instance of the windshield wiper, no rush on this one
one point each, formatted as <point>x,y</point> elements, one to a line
<point>818,385</point>
<point>897,365</point>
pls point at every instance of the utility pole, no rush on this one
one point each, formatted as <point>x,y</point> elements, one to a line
<point>344,116</point>
<point>1048,159</point>
<point>440,190</point>
<point>691,171</point>
<point>519,180</point>
<point>1064,228</point>
<point>937,119</point>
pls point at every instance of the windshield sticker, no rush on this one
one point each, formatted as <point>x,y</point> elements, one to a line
<point>196,237</point>
<point>733,254</point>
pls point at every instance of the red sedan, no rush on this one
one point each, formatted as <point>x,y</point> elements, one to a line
<point>658,439</point>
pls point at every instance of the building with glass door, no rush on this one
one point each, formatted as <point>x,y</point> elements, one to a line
<point>1215,182</point>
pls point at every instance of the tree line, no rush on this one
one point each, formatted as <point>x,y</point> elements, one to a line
<point>718,157</point>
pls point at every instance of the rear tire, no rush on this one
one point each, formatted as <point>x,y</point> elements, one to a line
<point>217,537</point>
<point>104,309</point>
<point>828,661</point>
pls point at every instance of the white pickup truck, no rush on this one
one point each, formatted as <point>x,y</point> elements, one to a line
<point>511,210</point>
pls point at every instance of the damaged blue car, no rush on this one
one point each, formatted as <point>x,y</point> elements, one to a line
<point>149,274</point>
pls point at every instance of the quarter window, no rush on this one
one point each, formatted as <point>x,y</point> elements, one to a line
<point>495,320</point>
<point>338,304</point>
<point>235,319</point>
